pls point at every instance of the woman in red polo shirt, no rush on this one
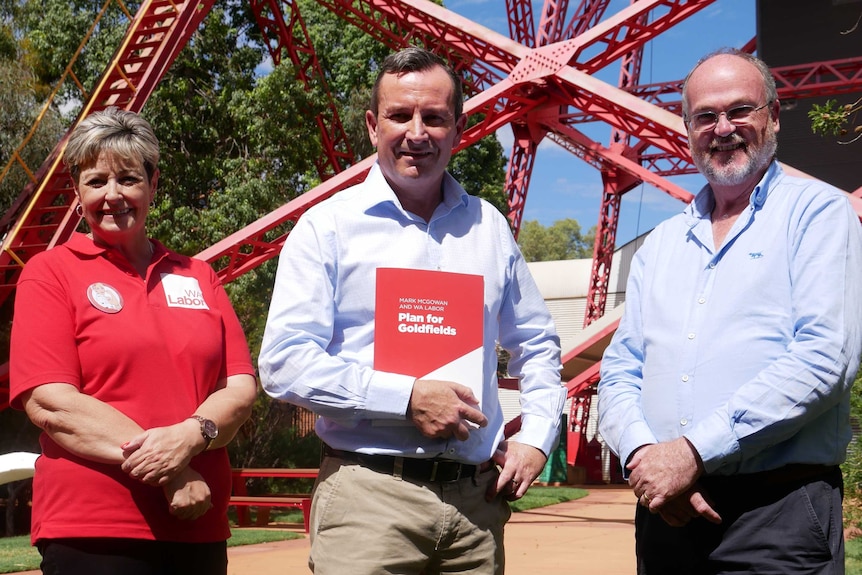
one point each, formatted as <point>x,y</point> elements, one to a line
<point>131,360</point>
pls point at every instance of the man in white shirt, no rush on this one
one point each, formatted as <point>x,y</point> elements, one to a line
<point>417,471</point>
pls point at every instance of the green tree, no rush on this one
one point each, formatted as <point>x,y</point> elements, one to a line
<point>481,170</point>
<point>19,108</point>
<point>52,31</point>
<point>852,467</point>
<point>235,143</point>
<point>561,241</point>
<point>832,119</point>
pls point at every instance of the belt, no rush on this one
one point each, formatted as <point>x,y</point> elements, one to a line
<point>432,470</point>
<point>789,475</point>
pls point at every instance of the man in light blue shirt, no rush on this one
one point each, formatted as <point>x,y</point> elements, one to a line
<point>725,390</point>
<point>409,482</point>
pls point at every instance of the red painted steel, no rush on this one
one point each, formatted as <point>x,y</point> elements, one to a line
<point>542,83</point>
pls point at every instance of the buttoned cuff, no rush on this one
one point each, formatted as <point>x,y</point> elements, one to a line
<point>539,432</point>
<point>635,435</point>
<point>715,442</point>
<point>388,395</point>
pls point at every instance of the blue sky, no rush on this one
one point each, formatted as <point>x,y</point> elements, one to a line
<point>562,185</point>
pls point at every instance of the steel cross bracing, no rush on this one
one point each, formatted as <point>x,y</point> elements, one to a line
<point>614,184</point>
<point>535,81</point>
<point>288,35</point>
<point>541,82</point>
<point>46,216</point>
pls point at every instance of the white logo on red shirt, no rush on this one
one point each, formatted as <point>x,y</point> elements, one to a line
<point>104,297</point>
<point>182,291</point>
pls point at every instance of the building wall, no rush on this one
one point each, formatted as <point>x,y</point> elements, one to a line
<point>798,32</point>
<point>564,285</point>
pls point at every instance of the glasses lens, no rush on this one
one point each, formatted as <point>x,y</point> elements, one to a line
<point>704,120</point>
<point>740,113</point>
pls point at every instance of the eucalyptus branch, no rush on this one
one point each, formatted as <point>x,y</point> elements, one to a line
<point>830,119</point>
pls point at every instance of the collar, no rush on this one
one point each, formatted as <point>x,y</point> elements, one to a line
<point>84,246</point>
<point>704,201</point>
<point>377,191</point>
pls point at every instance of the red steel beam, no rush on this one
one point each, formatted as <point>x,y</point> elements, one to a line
<point>155,36</point>
<point>521,26</point>
<point>289,35</point>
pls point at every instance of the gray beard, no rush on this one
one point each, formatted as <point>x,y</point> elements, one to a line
<point>735,175</point>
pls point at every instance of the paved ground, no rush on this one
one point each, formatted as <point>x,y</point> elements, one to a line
<point>593,535</point>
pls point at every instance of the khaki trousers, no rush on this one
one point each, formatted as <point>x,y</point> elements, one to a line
<point>364,522</point>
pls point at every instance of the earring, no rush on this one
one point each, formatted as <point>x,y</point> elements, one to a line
<point>79,210</point>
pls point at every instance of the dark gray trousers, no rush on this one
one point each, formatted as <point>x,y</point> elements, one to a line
<point>771,527</point>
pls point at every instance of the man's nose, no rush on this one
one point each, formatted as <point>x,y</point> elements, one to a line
<point>416,129</point>
<point>724,127</point>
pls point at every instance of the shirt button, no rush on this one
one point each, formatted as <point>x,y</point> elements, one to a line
<point>711,266</point>
<point>701,300</point>
<point>683,421</point>
<point>691,336</point>
<point>685,378</point>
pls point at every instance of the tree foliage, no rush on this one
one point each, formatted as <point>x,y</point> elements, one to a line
<point>51,32</point>
<point>563,240</point>
<point>832,119</point>
<point>237,140</point>
<point>852,467</point>
<point>21,150</point>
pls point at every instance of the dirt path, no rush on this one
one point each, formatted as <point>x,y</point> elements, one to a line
<point>593,535</point>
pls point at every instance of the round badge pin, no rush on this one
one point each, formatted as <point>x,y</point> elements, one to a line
<point>104,297</point>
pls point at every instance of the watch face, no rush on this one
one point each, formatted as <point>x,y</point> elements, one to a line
<point>210,429</point>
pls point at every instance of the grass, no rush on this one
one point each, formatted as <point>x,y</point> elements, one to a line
<point>16,554</point>
<point>853,520</point>
<point>853,557</point>
<point>253,536</point>
<point>543,496</point>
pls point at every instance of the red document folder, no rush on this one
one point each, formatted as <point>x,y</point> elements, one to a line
<point>429,324</point>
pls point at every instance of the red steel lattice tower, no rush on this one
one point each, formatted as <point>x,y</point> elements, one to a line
<point>540,80</point>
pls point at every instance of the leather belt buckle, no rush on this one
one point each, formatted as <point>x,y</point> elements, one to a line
<point>424,470</point>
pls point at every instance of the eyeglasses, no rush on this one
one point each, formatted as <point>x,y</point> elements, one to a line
<point>738,116</point>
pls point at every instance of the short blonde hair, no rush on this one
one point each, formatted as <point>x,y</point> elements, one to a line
<point>123,133</point>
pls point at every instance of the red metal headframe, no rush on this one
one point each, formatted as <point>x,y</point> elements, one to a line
<point>543,83</point>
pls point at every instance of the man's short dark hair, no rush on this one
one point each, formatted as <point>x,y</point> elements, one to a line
<point>414,59</point>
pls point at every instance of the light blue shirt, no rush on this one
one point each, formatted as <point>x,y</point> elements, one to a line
<point>749,351</point>
<point>318,346</point>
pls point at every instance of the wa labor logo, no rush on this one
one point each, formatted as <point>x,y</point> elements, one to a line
<point>182,291</point>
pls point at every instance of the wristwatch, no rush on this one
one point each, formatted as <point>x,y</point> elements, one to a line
<point>209,430</point>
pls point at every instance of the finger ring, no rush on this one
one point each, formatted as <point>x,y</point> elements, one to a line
<point>645,498</point>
